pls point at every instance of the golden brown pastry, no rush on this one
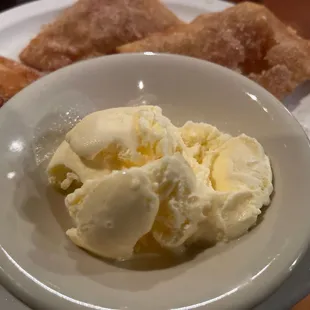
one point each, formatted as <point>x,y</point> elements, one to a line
<point>13,78</point>
<point>247,38</point>
<point>91,28</point>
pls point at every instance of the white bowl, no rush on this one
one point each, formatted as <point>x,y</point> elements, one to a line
<point>43,268</point>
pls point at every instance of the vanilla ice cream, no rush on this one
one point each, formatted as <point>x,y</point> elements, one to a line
<point>66,167</point>
<point>132,135</point>
<point>112,213</point>
<point>240,174</point>
<point>162,198</point>
<point>113,139</point>
<point>135,175</point>
<point>182,200</point>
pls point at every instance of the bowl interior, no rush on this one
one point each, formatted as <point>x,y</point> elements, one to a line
<point>42,266</point>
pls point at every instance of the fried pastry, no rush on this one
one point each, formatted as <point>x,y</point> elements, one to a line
<point>91,28</point>
<point>247,38</point>
<point>13,78</point>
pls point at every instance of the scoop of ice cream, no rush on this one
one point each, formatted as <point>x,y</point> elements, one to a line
<point>113,139</point>
<point>241,176</point>
<point>131,135</point>
<point>112,213</point>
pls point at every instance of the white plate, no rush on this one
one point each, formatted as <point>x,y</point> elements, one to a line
<point>17,26</point>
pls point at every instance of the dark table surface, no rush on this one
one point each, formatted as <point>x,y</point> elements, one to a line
<point>6,4</point>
